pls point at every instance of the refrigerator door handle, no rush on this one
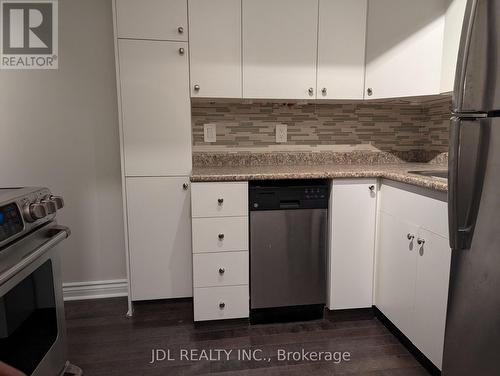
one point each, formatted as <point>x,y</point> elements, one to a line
<point>452,181</point>
<point>467,165</point>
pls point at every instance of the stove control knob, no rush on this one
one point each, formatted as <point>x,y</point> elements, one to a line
<point>58,200</point>
<point>50,205</point>
<point>35,211</point>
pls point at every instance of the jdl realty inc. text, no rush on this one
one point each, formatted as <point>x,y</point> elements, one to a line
<point>257,355</point>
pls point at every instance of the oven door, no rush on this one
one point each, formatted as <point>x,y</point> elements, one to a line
<point>32,325</point>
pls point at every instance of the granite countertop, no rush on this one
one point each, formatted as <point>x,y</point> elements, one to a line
<point>397,172</point>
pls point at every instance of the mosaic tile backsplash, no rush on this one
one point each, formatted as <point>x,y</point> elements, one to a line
<point>398,126</point>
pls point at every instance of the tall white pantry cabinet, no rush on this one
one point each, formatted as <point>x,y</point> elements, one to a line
<point>151,47</point>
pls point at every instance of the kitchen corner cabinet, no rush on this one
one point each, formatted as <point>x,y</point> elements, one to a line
<point>404,48</point>
<point>353,206</point>
<point>159,235</point>
<point>156,113</point>
<point>413,267</point>
<point>154,19</point>
<point>215,48</point>
<point>279,48</point>
<point>341,49</point>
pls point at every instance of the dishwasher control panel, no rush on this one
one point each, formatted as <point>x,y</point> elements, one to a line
<point>289,194</point>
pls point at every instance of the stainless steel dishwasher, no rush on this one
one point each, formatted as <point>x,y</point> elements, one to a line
<point>288,243</point>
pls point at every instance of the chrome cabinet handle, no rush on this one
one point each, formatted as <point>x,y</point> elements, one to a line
<point>369,91</point>
<point>196,87</point>
<point>371,188</point>
<point>410,236</point>
<point>222,305</point>
<point>185,186</point>
<point>311,91</point>
<point>222,271</point>
<point>180,29</point>
<point>220,201</point>
<point>181,51</point>
<point>323,91</point>
<point>221,236</point>
<point>420,241</point>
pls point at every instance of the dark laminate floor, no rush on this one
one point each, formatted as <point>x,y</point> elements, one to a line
<point>104,342</point>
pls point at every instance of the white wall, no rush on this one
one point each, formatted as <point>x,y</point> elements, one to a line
<point>60,129</point>
<point>455,10</point>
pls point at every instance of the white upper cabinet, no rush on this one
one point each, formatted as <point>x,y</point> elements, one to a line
<point>404,48</point>
<point>156,112</point>
<point>322,49</point>
<point>152,19</point>
<point>454,18</point>
<point>341,49</point>
<point>215,45</point>
<point>280,48</point>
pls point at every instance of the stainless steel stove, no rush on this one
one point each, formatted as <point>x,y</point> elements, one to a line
<point>32,323</point>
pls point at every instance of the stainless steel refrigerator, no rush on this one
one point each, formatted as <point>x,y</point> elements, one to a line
<point>472,341</point>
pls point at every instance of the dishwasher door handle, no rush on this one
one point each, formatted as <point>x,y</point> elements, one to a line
<point>291,204</point>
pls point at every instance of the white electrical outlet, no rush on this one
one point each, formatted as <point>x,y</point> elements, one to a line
<point>281,133</point>
<point>210,132</point>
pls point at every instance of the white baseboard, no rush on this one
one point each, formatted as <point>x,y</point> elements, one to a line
<point>95,289</point>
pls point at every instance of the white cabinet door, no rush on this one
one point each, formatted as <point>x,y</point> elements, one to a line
<point>404,48</point>
<point>279,48</point>
<point>215,48</point>
<point>341,49</point>
<point>159,231</point>
<point>353,216</point>
<point>152,19</point>
<point>431,298</point>
<point>396,271</point>
<point>155,108</point>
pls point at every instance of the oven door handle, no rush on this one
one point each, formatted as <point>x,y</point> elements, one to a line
<point>58,234</point>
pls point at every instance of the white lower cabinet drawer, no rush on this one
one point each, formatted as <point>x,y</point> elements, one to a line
<point>228,199</point>
<point>220,234</point>
<point>220,269</point>
<point>217,303</point>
